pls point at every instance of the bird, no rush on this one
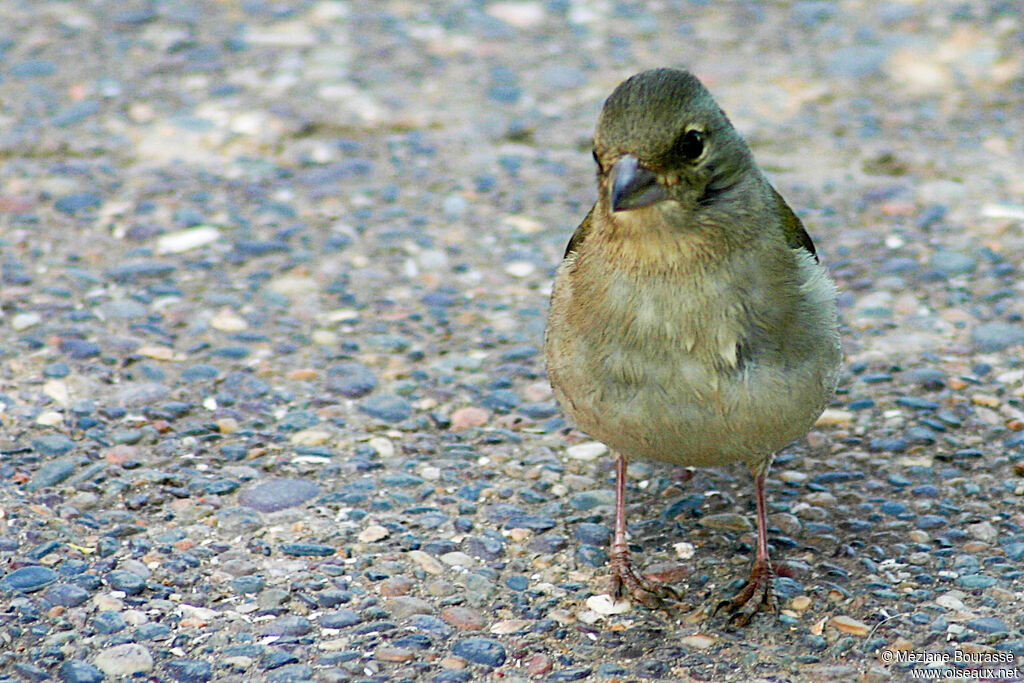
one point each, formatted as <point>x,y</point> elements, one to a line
<point>690,319</point>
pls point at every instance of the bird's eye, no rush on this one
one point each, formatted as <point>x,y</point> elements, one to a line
<point>691,145</point>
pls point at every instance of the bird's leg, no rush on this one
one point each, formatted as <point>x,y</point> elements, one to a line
<point>624,578</point>
<point>759,592</point>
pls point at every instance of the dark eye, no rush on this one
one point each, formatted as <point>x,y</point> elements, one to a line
<point>691,145</point>
<point>596,160</point>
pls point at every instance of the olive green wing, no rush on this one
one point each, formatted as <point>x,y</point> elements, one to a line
<point>581,233</point>
<point>792,228</point>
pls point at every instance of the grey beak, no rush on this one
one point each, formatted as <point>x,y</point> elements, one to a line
<point>633,186</point>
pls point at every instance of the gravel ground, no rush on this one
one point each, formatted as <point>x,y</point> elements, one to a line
<point>274,279</point>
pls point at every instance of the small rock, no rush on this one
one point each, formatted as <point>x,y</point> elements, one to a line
<point>469,416</point>
<point>278,494</point>
<point>726,521</point>
<point>591,450</point>
<point>849,625</point>
<point>27,579</point>
<point>486,651</point>
<point>387,407</point>
<point>698,641</point>
<point>426,562</point>
<point>605,604</point>
<point>124,660</point>
<point>464,618</point>
<point>373,533</point>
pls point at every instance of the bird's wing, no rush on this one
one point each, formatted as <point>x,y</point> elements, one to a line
<point>792,228</point>
<point>581,233</point>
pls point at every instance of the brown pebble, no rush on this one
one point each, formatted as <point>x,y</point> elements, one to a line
<point>120,454</point>
<point>452,662</point>
<point>393,654</point>
<point>849,625</point>
<point>666,572</point>
<point>1018,468</point>
<point>463,618</point>
<point>303,373</point>
<point>538,664</point>
<point>469,416</point>
<point>396,585</point>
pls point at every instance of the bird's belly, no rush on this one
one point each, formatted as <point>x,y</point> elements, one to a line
<point>679,393</point>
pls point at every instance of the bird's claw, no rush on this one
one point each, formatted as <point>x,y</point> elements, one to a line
<point>758,594</point>
<point>627,583</point>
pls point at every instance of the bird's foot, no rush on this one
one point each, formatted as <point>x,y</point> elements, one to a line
<point>626,582</point>
<point>757,595</point>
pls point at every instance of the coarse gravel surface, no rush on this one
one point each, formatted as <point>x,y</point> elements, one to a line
<point>273,283</point>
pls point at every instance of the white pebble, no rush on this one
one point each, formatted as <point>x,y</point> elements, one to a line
<point>186,240</point>
<point>591,450</point>
<point>605,604</point>
<point>23,321</point>
<point>520,268</point>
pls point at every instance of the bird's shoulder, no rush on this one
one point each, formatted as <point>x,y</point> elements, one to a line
<point>792,228</point>
<point>581,233</point>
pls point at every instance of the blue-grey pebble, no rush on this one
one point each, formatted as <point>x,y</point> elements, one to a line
<point>200,372</point>
<point>591,555</point>
<point>249,583</point>
<point>987,625</point>
<point>132,272</point>
<point>976,581</point>
<point>930,521</point>
<point>387,407</point>
<point>341,618</point>
<point>996,336</point>
<point>307,549</point>
<point>290,673</point>
<point>484,547</point>
<point>501,400</point>
<point>291,625</point>
<point>588,500</point>
<point>129,582</point>
<point>480,650</point>
<point>139,394</point>
<point>189,670</point>
<point>952,263</point>
<point>549,543</point>
<point>54,444</point>
<point>76,202</point>
<point>1014,551</point>
<point>351,379</point>
<point>532,522</point>
<point>28,579</point>
<point>297,420</point>
<point>53,472</point>
<point>108,621</point>
<point>276,657</point>
<point>66,594</point>
<point>78,671</point>
<point>594,534</point>
<point>278,494</point>
<point>431,625</point>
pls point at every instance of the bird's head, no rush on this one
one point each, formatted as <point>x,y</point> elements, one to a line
<point>661,137</point>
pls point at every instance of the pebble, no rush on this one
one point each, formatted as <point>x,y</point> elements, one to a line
<point>726,521</point>
<point>463,618</point>
<point>189,670</point>
<point>77,671</point>
<point>387,407</point>
<point>847,624</point>
<point>124,660</point>
<point>591,450</point>
<point>485,651</point>
<point>53,444</point>
<point>351,379</point>
<point>27,579</point>
<point>989,337</point>
<point>51,474</point>
<point>278,494</point>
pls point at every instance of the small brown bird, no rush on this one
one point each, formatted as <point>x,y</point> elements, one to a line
<point>690,321</point>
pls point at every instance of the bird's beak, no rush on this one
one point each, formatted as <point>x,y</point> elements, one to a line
<point>633,186</point>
